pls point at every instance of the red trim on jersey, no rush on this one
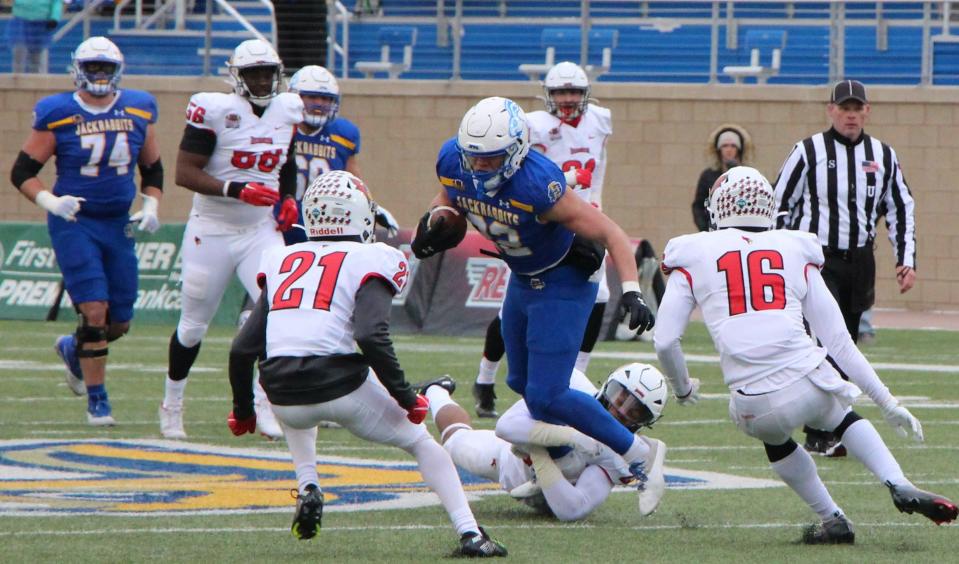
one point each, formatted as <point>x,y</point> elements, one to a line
<point>381,277</point>
<point>669,269</point>
<point>804,270</point>
<point>572,123</point>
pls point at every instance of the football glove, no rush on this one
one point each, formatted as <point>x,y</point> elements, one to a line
<point>62,206</point>
<point>903,421</point>
<point>692,396</point>
<point>288,215</point>
<point>147,216</point>
<point>416,413</point>
<point>640,317</point>
<point>582,177</point>
<point>241,426</point>
<point>386,220</point>
<point>430,240</point>
<point>253,193</point>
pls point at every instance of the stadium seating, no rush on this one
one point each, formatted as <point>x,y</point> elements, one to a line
<point>765,56</point>
<point>389,39</point>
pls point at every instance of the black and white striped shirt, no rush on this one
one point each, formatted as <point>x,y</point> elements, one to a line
<point>837,189</point>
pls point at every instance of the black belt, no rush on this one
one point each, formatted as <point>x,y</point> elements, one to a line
<point>848,254</point>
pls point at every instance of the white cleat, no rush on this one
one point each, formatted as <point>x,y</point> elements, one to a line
<point>266,422</point>
<point>526,490</point>
<point>652,494</point>
<point>171,422</point>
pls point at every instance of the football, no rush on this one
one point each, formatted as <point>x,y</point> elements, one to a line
<point>453,222</point>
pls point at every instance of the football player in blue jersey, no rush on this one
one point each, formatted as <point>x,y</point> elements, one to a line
<point>98,134</point>
<point>552,241</point>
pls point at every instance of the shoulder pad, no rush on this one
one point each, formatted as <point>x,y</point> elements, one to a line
<point>679,253</point>
<point>140,104</point>
<point>604,118</point>
<point>206,109</point>
<point>292,105</point>
<point>53,112</point>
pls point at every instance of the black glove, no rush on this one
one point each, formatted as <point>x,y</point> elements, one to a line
<point>640,318</point>
<point>52,24</point>
<point>429,241</point>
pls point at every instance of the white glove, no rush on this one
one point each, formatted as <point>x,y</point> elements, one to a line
<point>385,219</point>
<point>693,396</point>
<point>147,216</point>
<point>902,421</point>
<point>63,206</point>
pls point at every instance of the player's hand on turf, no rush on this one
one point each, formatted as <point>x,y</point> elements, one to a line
<point>582,177</point>
<point>253,193</point>
<point>634,307</point>
<point>288,215</point>
<point>241,426</point>
<point>386,220</point>
<point>692,396</point>
<point>416,413</point>
<point>902,421</point>
<point>62,206</point>
<point>147,217</point>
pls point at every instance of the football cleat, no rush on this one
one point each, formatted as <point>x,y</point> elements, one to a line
<point>171,422</point>
<point>655,488</point>
<point>266,422</point>
<point>480,545</point>
<point>443,381</point>
<point>837,530</point>
<point>66,348</point>
<point>100,414</point>
<point>909,499</point>
<point>485,400</point>
<point>309,513</point>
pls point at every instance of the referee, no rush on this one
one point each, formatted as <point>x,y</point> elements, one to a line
<point>837,184</point>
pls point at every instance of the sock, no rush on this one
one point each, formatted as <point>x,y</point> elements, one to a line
<point>302,445</point>
<point>440,475</point>
<point>863,441</point>
<point>639,450</point>
<point>798,470</point>
<point>173,393</point>
<point>439,398</point>
<point>582,361</point>
<point>96,394</point>
<point>181,358</point>
<point>487,371</point>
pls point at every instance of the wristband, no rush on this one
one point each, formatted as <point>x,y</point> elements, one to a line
<point>631,286</point>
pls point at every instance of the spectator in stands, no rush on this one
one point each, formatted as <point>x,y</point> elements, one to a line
<point>29,33</point>
<point>728,146</point>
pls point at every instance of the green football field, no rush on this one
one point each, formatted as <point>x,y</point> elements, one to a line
<point>71,493</point>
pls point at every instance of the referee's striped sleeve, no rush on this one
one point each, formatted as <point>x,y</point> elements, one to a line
<point>786,191</point>
<point>900,216</point>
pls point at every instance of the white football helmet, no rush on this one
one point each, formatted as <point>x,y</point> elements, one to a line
<point>255,53</point>
<point>635,394</point>
<point>339,204</point>
<point>493,127</point>
<point>314,80</point>
<point>566,76</point>
<point>743,198</point>
<point>92,60</point>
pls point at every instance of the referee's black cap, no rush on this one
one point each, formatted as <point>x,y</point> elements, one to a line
<point>848,90</point>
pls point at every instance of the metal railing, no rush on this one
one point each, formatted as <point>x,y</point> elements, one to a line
<point>338,16</point>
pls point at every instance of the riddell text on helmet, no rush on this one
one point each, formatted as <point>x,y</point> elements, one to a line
<point>319,231</point>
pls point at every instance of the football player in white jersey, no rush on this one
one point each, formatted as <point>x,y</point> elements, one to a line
<point>576,475</point>
<point>755,286</point>
<point>237,155</point>
<point>321,300</point>
<point>573,133</point>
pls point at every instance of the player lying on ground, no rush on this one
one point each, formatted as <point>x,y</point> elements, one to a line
<point>320,300</point>
<point>575,475</point>
<point>755,286</point>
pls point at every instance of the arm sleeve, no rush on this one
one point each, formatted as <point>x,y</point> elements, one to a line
<point>288,172</point>
<point>198,141</point>
<point>248,345</point>
<point>825,319</point>
<point>790,186</point>
<point>900,216</point>
<point>671,320</point>
<point>371,329</point>
<point>573,502</point>
<point>700,215</point>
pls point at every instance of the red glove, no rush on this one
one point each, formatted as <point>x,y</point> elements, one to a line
<point>417,412</point>
<point>252,193</point>
<point>241,426</point>
<point>579,177</point>
<point>288,215</point>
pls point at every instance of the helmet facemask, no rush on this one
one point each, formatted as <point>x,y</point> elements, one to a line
<point>634,394</point>
<point>97,66</point>
<point>319,108</point>
<point>567,110</point>
<point>320,93</point>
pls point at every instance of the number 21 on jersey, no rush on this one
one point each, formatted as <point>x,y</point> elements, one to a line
<point>767,289</point>
<point>298,264</point>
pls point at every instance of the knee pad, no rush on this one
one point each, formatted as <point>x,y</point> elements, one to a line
<point>848,420</point>
<point>117,330</point>
<point>191,335</point>
<point>493,347</point>
<point>90,334</point>
<point>775,453</point>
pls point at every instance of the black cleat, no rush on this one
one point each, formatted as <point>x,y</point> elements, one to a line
<point>473,545</point>
<point>309,513</point>
<point>485,400</point>
<point>837,530</point>
<point>908,499</point>
<point>443,381</point>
